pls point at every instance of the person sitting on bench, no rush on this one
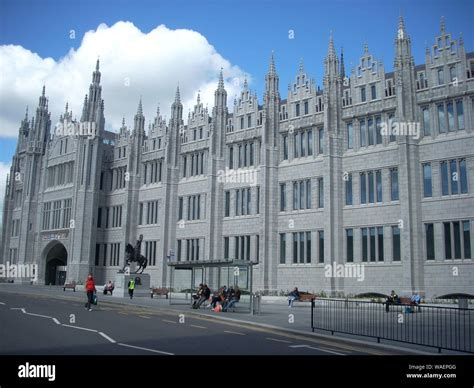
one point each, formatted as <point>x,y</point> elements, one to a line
<point>205,295</point>
<point>234,297</point>
<point>292,296</point>
<point>109,287</point>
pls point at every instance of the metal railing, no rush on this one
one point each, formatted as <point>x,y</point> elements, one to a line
<point>447,328</point>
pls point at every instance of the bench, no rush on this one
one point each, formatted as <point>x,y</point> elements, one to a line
<point>159,291</point>
<point>71,285</point>
<point>403,301</point>
<point>305,297</point>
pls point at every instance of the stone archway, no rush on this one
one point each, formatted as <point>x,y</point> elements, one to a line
<point>55,255</point>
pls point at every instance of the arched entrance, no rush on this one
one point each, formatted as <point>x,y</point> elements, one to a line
<point>56,263</point>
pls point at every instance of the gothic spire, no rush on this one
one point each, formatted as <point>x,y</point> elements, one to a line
<point>442,26</point>
<point>343,70</point>
<point>301,66</point>
<point>221,80</point>
<point>272,69</point>
<point>140,108</point>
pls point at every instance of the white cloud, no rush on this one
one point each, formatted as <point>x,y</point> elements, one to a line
<point>153,63</point>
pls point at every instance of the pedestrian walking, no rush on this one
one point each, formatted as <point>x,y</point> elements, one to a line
<point>131,287</point>
<point>90,290</point>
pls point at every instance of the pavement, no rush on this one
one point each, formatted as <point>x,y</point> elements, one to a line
<point>42,320</point>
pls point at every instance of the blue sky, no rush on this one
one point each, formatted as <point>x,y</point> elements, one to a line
<point>243,32</point>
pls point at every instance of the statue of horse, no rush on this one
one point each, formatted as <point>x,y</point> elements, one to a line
<point>133,255</point>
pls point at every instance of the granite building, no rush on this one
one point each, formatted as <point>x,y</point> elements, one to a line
<point>373,169</point>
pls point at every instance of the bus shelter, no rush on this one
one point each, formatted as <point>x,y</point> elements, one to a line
<point>185,277</point>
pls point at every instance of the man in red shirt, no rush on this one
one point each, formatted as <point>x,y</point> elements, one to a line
<point>90,290</point>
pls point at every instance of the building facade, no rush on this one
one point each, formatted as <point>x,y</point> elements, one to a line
<point>373,171</point>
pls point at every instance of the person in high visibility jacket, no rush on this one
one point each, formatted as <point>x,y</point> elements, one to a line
<point>131,287</point>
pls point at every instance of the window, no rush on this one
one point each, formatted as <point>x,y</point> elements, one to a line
<point>447,240</point>
<point>321,141</point>
<point>427,183</point>
<point>430,244</point>
<point>372,244</point>
<point>306,107</point>
<point>380,243</point>
<point>467,239</point>
<point>285,147</point>
<point>454,176</point>
<point>249,121</point>
<point>378,183</point>
<point>426,121</point>
<point>321,193</point>
<point>310,142</point>
<point>378,130</point>
<point>308,194</point>
<point>444,178</point>
<point>440,76</point>
<point>231,158</point>
<point>363,188</point>
<point>441,119</point>
<point>295,196</point>
<point>99,218</point>
<point>227,204</point>
<point>450,109</point>
<point>452,73</point>
<point>463,175</point>
<point>460,115</point>
<point>370,176</point>
<point>282,248</point>
<point>297,109</point>
<point>321,246</point>
<point>282,197</point>
<point>373,92</point>
<point>370,124</point>
<point>394,184</point>
<point>457,240</point>
<point>308,247</point>
<point>180,209</point>
<point>350,136</point>
<point>362,132</point>
<point>362,94</point>
<point>226,247</point>
<point>258,200</point>
<point>396,243</point>
<point>365,247</point>
<point>349,245</point>
<point>348,184</point>
<point>242,122</point>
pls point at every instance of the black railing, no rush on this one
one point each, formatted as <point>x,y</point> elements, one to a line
<point>447,328</point>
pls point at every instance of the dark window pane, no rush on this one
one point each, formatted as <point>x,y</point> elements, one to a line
<point>364,244</point>
<point>467,239</point>
<point>380,242</point>
<point>350,245</point>
<point>430,247</point>
<point>396,243</point>
<point>457,240</point>
<point>444,178</point>
<point>447,240</point>
<point>427,185</point>
<point>463,175</point>
<point>372,244</point>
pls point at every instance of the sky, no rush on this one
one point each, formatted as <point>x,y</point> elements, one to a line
<point>147,47</point>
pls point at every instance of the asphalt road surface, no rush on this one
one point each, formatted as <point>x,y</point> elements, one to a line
<point>44,325</point>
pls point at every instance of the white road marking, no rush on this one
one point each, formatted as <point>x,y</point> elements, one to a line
<point>144,316</point>
<point>80,328</point>
<point>56,321</point>
<point>165,320</point>
<point>107,337</point>
<point>18,308</point>
<point>23,310</point>
<point>146,349</point>
<point>233,332</point>
<point>311,347</point>
<point>2,303</point>
<point>278,340</point>
<point>199,327</point>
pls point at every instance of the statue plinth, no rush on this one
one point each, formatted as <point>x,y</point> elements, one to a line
<point>142,284</point>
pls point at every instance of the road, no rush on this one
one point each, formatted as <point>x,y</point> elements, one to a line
<point>45,325</point>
